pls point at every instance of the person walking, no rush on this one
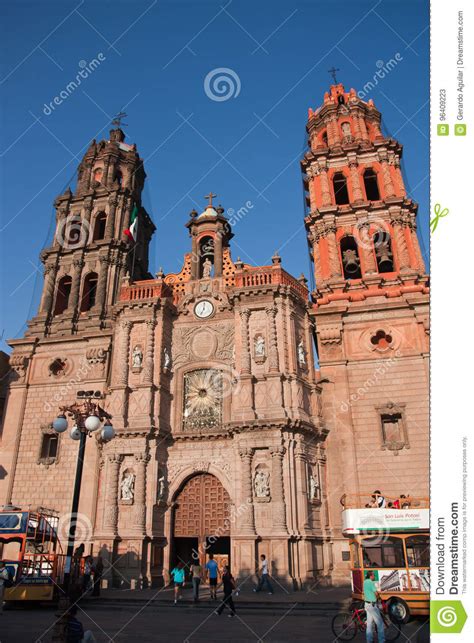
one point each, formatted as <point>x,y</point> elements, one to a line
<point>196,572</point>
<point>228,583</point>
<point>178,574</point>
<point>86,579</point>
<point>373,613</point>
<point>212,569</point>
<point>264,579</point>
<point>4,580</point>
<point>98,572</point>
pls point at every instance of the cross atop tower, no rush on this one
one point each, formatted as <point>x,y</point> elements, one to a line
<point>117,120</point>
<point>333,71</point>
<point>210,196</point>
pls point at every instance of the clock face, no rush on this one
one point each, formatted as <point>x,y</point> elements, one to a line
<point>203,309</point>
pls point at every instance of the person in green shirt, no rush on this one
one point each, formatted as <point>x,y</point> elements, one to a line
<point>371,609</point>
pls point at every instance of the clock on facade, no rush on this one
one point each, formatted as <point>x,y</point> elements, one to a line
<point>203,309</point>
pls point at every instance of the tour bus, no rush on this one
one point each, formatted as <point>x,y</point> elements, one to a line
<point>392,541</point>
<point>31,551</point>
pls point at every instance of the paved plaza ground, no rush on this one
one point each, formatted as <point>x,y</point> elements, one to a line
<point>147,616</point>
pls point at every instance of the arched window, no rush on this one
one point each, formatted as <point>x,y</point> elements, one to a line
<point>62,295</point>
<point>340,189</point>
<point>119,177</point>
<point>98,172</point>
<point>371,185</point>
<point>350,258</point>
<point>383,251</point>
<point>206,254</point>
<point>99,227</point>
<point>89,291</point>
<point>203,395</point>
<point>75,232</point>
<point>324,139</point>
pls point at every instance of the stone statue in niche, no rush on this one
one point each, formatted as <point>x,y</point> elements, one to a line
<point>127,486</point>
<point>206,269</point>
<point>301,354</point>
<point>161,488</point>
<point>137,357</point>
<point>261,484</point>
<point>166,359</point>
<point>313,488</point>
<point>259,346</point>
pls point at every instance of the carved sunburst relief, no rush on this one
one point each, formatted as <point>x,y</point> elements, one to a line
<point>202,399</point>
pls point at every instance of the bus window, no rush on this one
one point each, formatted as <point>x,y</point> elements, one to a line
<point>355,555</point>
<point>383,552</point>
<point>418,551</point>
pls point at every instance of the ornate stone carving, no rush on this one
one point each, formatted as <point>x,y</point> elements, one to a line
<point>203,393</point>
<point>261,484</point>
<point>19,363</point>
<point>244,334</point>
<point>127,486</point>
<point>137,358</point>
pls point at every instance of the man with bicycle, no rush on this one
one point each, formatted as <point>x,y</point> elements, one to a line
<point>372,610</point>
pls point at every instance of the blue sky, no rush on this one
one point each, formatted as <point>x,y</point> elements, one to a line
<point>155,59</point>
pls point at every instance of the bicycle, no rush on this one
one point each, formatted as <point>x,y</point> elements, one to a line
<point>345,625</point>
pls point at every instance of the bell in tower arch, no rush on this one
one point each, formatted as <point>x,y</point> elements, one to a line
<point>350,258</point>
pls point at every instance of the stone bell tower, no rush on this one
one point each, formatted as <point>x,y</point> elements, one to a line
<point>90,255</point>
<point>370,305</point>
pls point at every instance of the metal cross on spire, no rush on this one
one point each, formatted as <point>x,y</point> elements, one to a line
<point>117,120</point>
<point>210,196</point>
<point>333,71</point>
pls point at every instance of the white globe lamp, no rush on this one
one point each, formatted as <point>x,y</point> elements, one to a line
<point>60,424</point>
<point>92,423</point>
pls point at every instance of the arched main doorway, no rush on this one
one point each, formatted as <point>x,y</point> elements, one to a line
<point>201,521</point>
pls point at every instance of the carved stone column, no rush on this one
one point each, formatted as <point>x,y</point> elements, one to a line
<point>355,180</point>
<point>278,493</point>
<point>398,174</point>
<point>123,365</point>
<point>314,237</point>
<point>49,284</point>
<point>110,223</point>
<point>363,128</point>
<point>273,362</point>
<point>102,283</point>
<point>333,254</point>
<point>416,246</point>
<point>78,265</point>
<point>325,191</point>
<point>399,225</point>
<point>139,501</point>
<point>302,484</point>
<point>148,365</point>
<point>366,248</point>
<point>247,518</point>
<point>387,179</point>
<point>111,494</point>
<point>86,220</point>
<point>245,347</point>
<point>356,125</point>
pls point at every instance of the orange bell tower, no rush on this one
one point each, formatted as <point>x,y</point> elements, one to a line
<point>370,306</point>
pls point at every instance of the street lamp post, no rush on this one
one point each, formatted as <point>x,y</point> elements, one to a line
<point>88,417</point>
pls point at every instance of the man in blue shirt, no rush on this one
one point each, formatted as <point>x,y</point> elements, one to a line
<point>212,569</point>
<point>371,609</point>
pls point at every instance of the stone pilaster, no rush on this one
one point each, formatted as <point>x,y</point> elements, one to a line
<point>386,176</point>
<point>102,283</point>
<point>273,363</point>
<point>355,180</point>
<point>302,485</point>
<point>49,284</point>
<point>246,513</point>
<point>278,493</point>
<point>334,263</point>
<point>324,181</point>
<point>399,225</point>
<point>139,510</point>
<point>245,347</point>
<point>123,365</point>
<point>111,494</point>
<point>148,365</point>
<point>78,265</point>
<point>110,223</point>
<point>366,248</point>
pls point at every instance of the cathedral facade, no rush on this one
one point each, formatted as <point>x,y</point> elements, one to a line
<point>244,405</point>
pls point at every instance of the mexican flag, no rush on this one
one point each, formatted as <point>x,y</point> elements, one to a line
<point>131,232</point>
